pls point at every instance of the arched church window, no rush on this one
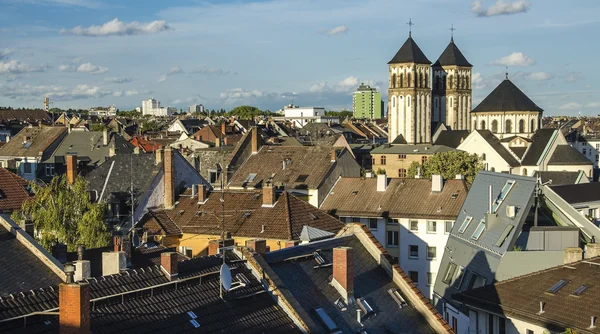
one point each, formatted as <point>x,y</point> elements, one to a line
<point>483,156</point>
<point>495,126</point>
<point>444,85</point>
<point>408,80</point>
<point>482,125</point>
<point>401,81</point>
<point>474,125</point>
<point>393,83</point>
<point>450,84</point>
<point>532,128</point>
<point>426,80</point>
<point>522,126</point>
<point>408,101</point>
<point>508,126</point>
<point>393,101</point>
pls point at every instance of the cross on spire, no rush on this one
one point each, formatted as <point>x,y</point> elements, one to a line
<point>452,33</point>
<point>506,73</point>
<point>410,24</point>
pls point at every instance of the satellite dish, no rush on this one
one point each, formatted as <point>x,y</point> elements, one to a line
<point>135,241</point>
<point>226,277</point>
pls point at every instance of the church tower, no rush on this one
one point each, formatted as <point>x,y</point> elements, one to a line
<point>452,89</point>
<point>409,95</point>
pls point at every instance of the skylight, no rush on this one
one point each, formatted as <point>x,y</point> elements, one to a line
<point>554,289</point>
<point>579,290</point>
<point>251,177</point>
<point>505,190</point>
<point>465,224</point>
<point>302,178</point>
<point>326,319</point>
<point>195,323</point>
<point>479,230</point>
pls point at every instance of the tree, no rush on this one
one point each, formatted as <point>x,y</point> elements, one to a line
<point>97,127</point>
<point>245,112</point>
<point>342,114</point>
<point>449,164</point>
<point>151,126</point>
<point>64,213</point>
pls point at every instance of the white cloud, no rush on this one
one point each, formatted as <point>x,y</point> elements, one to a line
<point>84,68</point>
<point>118,80</point>
<point>162,78</point>
<point>344,86</point>
<point>175,70</point>
<point>338,30</point>
<point>15,67</point>
<point>499,8</point>
<point>539,76</point>
<point>5,53</point>
<point>210,71</point>
<point>514,59</point>
<point>117,93</point>
<point>478,82</point>
<point>56,92</point>
<point>117,27</point>
<point>131,92</point>
<point>593,105</point>
<point>571,106</point>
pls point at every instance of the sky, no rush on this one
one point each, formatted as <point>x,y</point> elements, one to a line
<point>270,53</point>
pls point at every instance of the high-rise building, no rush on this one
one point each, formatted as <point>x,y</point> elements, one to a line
<point>367,103</point>
<point>195,108</point>
<point>152,107</point>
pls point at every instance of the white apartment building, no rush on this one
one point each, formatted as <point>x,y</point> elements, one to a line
<point>300,116</point>
<point>195,108</point>
<point>411,218</point>
<point>152,107</point>
<point>102,111</point>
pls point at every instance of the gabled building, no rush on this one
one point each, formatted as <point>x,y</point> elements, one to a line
<point>395,159</point>
<point>188,126</point>
<point>493,240</point>
<point>585,198</point>
<point>411,218</point>
<point>561,178</point>
<point>14,190</point>
<point>25,152</point>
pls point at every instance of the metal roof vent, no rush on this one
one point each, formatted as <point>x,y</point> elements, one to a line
<point>542,305</point>
<point>593,322</point>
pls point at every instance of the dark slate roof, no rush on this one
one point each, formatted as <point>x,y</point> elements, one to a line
<point>410,53</point>
<point>541,139</point>
<point>20,270</point>
<point>568,155</point>
<point>518,151</point>
<point>452,56</point>
<point>578,193</point>
<point>520,297</point>
<point>89,144</point>
<point>311,289</point>
<point>399,140</point>
<point>558,178</point>
<point>248,309</point>
<point>498,147</point>
<point>507,97</point>
<point>451,138</point>
<point>144,171</point>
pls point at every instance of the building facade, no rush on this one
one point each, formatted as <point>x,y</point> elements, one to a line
<point>152,107</point>
<point>367,103</point>
<point>195,108</point>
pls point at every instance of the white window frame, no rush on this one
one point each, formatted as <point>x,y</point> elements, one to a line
<point>479,230</point>
<point>434,255</point>
<point>465,224</point>
<point>410,225</point>
<point>430,231</point>
<point>447,231</point>
<point>395,237</point>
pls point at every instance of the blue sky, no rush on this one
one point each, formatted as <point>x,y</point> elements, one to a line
<point>84,53</point>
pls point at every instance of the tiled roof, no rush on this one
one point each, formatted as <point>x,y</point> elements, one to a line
<point>311,289</point>
<point>147,146</point>
<point>159,223</point>
<point>13,190</point>
<point>39,139</point>
<point>568,155</point>
<point>452,56</point>
<point>23,115</point>
<point>410,52</point>
<point>403,198</point>
<point>246,217</point>
<point>21,270</point>
<point>312,162</point>
<point>541,138</point>
<point>89,144</point>
<point>422,149</point>
<point>162,309</point>
<point>507,97</point>
<point>578,193</point>
<point>520,297</point>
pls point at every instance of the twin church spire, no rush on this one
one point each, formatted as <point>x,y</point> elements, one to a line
<point>421,95</point>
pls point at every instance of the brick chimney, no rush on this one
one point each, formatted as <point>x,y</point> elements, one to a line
<point>333,155</point>
<point>223,128</point>
<point>202,193</point>
<point>343,273</point>
<point>215,244</point>
<point>159,156</point>
<point>74,308</point>
<point>269,195</point>
<point>169,178</point>
<point>258,245</point>
<point>71,161</point>
<point>168,264</point>
<point>255,142</point>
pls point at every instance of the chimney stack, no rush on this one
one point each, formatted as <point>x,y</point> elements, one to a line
<point>105,137</point>
<point>83,270</point>
<point>169,178</point>
<point>269,195</point>
<point>223,128</point>
<point>437,183</point>
<point>168,264</point>
<point>74,307</point>
<point>202,193</point>
<point>113,263</point>
<point>71,168</point>
<point>59,251</point>
<point>573,254</point>
<point>592,250</point>
<point>381,182</point>
<point>257,245</point>
<point>255,140</point>
<point>343,273</point>
<point>333,155</point>
<point>159,156</point>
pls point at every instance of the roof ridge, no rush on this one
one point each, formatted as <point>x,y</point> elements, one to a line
<point>286,201</point>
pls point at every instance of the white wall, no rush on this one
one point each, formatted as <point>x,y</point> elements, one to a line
<point>474,143</point>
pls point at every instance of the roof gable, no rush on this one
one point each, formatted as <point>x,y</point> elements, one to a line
<point>452,56</point>
<point>410,53</point>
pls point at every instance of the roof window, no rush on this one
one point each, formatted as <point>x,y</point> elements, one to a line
<point>397,297</point>
<point>251,177</point>
<point>465,224</point>
<point>479,230</point>
<point>302,178</point>
<point>326,320</point>
<point>505,190</point>
<point>554,289</point>
<point>579,290</point>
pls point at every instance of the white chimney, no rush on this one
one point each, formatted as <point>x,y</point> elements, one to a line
<point>460,177</point>
<point>284,163</point>
<point>105,137</point>
<point>113,263</point>
<point>83,270</point>
<point>194,190</point>
<point>381,182</point>
<point>437,183</point>
<point>418,176</point>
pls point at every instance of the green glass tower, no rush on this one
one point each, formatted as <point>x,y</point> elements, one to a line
<point>367,103</point>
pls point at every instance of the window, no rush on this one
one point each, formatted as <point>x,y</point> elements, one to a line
<point>302,178</point>
<point>447,227</point>
<point>521,126</point>
<point>429,279</point>
<point>505,190</point>
<point>392,239</point>
<point>532,129</point>
<point>372,161</point>
<point>49,170</point>
<point>414,225</point>
<point>584,151</point>
<point>449,273</point>
<point>476,281</point>
<point>401,156</point>
<point>554,289</point>
<point>383,159</point>
<point>431,253</point>
<point>408,97</point>
<point>494,126</point>
<point>508,127</point>
<point>465,224</point>
<point>392,221</point>
<point>373,223</point>
<point>26,167</point>
<point>431,226</point>
<point>529,331</point>
<point>482,125</point>
<point>460,275</point>
<point>490,323</point>
<point>402,173</point>
<point>479,230</point>
<point>187,251</point>
<point>423,160</point>
<point>413,251</point>
<point>501,325</point>
<point>454,325</point>
<point>414,276</point>
<point>251,177</point>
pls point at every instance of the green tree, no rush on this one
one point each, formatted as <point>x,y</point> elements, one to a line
<point>448,164</point>
<point>62,212</point>
<point>245,112</point>
<point>97,127</point>
<point>343,113</point>
<point>150,126</point>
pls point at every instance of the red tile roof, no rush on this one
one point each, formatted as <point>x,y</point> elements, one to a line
<point>12,191</point>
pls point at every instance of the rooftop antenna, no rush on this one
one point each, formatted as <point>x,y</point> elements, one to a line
<point>452,33</point>
<point>410,24</point>
<point>225,271</point>
<point>131,187</point>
